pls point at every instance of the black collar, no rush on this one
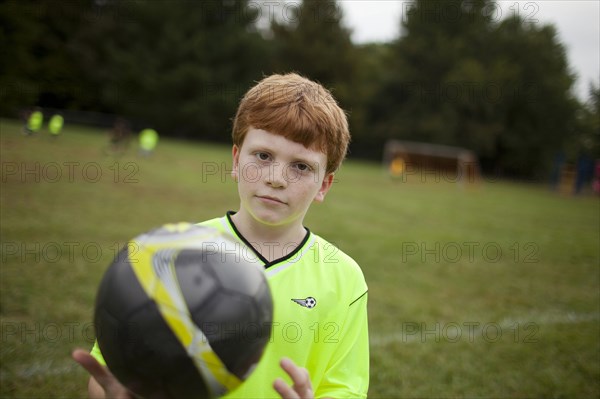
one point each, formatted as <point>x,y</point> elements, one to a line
<point>257,253</point>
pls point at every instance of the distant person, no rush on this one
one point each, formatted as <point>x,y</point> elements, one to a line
<point>55,125</point>
<point>120,135</point>
<point>397,166</point>
<point>585,173</point>
<point>34,122</point>
<point>596,178</point>
<point>148,139</point>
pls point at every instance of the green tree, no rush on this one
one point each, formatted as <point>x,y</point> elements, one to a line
<point>458,77</point>
<point>436,76</point>
<point>587,137</point>
<point>38,65</point>
<point>537,111</point>
<point>371,64</point>
<point>180,67</point>
<point>314,42</point>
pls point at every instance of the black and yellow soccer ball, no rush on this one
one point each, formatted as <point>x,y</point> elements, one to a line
<point>184,311</point>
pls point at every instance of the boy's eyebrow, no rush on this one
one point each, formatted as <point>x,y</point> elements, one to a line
<point>259,147</point>
<point>296,158</point>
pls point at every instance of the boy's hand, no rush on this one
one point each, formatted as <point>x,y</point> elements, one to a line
<point>102,377</point>
<point>301,388</point>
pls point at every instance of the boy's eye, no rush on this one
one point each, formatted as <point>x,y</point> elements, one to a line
<point>263,156</point>
<point>302,167</point>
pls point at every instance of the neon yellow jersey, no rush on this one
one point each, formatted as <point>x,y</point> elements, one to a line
<point>55,124</point>
<point>35,121</point>
<point>148,139</point>
<point>320,319</point>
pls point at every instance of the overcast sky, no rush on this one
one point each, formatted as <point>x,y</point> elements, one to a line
<point>577,22</point>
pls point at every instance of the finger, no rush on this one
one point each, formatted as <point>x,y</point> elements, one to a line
<point>96,370</point>
<point>284,390</point>
<point>299,376</point>
<point>107,381</point>
<point>88,362</point>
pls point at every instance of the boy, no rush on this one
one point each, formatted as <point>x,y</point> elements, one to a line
<point>289,138</point>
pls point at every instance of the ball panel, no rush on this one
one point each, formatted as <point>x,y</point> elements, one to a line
<point>120,289</point>
<point>153,353</point>
<point>234,272</point>
<point>198,284</point>
<point>225,321</point>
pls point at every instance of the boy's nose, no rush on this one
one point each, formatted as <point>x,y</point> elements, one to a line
<point>276,175</point>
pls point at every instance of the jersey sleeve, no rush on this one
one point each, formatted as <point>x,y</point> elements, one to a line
<point>97,354</point>
<point>347,375</point>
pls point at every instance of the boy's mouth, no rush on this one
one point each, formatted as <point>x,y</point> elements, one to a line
<point>268,198</point>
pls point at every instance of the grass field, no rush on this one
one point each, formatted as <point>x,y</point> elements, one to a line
<point>487,291</point>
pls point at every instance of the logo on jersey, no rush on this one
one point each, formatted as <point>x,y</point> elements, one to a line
<point>309,302</point>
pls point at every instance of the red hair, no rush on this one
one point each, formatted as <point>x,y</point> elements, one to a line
<point>298,109</point>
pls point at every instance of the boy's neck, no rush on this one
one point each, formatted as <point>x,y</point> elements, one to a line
<point>273,242</point>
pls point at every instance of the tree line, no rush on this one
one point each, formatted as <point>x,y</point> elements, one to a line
<point>456,75</point>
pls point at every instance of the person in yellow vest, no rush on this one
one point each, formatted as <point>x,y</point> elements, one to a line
<point>55,125</point>
<point>34,122</point>
<point>397,166</point>
<point>148,140</point>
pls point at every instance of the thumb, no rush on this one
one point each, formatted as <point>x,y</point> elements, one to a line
<point>100,373</point>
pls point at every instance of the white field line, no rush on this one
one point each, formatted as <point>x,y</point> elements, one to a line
<point>520,329</point>
<point>46,368</point>
<point>50,368</point>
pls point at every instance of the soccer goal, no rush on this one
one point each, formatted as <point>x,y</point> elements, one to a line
<point>424,162</point>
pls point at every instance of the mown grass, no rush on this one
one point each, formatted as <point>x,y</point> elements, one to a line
<point>491,290</point>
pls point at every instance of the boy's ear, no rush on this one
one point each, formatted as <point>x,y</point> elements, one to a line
<point>235,155</point>
<point>325,186</point>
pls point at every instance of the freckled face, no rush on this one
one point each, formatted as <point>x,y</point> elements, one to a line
<point>278,179</point>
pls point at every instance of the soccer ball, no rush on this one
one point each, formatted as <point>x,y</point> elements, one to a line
<point>183,312</point>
